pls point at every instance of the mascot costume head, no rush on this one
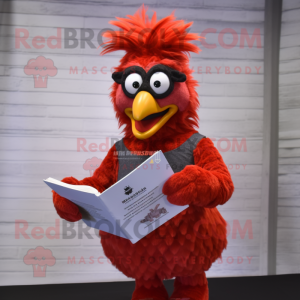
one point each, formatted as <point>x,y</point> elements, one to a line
<point>155,100</point>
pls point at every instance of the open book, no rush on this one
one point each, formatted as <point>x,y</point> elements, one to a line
<point>132,207</point>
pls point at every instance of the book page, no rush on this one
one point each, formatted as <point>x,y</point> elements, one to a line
<point>137,201</point>
<point>93,210</point>
<point>82,188</point>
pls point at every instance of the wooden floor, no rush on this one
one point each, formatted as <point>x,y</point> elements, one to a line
<point>234,288</point>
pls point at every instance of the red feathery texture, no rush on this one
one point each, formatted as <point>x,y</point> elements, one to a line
<point>140,36</point>
<point>164,42</point>
<point>187,245</point>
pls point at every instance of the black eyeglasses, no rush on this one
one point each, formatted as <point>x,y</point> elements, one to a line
<point>158,81</point>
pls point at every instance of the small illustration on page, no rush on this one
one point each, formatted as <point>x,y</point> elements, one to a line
<point>127,190</point>
<point>154,213</point>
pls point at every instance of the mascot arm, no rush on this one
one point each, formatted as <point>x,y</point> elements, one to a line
<point>207,183</point>
<point>103,178</point>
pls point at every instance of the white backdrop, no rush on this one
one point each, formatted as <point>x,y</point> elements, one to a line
<point>42,127</point>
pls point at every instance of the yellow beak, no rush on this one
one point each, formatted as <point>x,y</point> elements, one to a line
<point>143,106</point>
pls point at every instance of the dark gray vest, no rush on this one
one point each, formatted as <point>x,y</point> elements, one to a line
<point>177,158</point>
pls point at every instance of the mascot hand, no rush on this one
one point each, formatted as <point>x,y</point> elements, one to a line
<point>64,207</point>
<point>192,185</point>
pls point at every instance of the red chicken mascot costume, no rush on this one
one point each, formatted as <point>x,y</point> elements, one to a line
<point>154,98</point>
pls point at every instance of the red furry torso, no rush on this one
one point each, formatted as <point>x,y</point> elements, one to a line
<point>184,246</point>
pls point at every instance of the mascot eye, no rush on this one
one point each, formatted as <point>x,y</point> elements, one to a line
<point>133,83</point>
<point>159,82</point>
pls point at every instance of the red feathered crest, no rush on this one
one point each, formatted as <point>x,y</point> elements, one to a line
<point>138,34</point>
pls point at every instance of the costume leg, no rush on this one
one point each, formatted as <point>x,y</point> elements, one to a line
<point>190,287</point>
<point>149,289</point>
